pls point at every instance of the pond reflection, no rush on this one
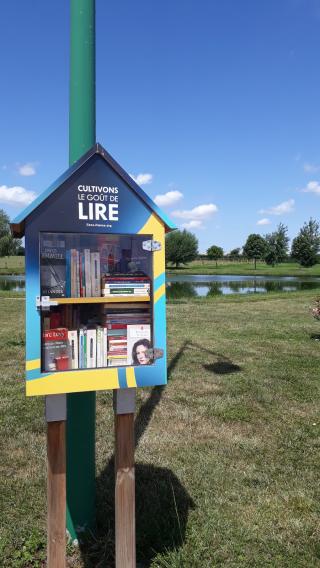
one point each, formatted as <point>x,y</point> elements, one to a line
<point>12,283</point>
<point>205,286</point>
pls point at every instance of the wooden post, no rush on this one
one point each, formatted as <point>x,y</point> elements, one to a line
<point>56,452</point>
<point>124,406</point>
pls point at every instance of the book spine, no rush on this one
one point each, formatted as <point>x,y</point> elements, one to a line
<point>91,348</point>
<point>95,274</point>
<point>73,345</point>
<point>88,272</point>
<point>68,274</point>
<point>83,269</point>
<point>105,347</point>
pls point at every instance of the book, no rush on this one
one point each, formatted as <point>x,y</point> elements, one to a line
<point>95,274</point>
<point>138,343</point>
<point>87,268</point>
<point>73,345</point>
<point>91,351</point>
<point>55,350</point>
<point>53,266</point>
<point>81,349</point>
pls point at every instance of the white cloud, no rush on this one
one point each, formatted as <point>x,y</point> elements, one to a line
<point>27,170</point>
<point>281,209</point>
<point>312,187</point>
<point>194,224</point>
<point>199,212</point>
<point>16,195</point>
<point>142,179</point>
<point>264,222</point>
<point>169,198</point>
<point>311,168</point>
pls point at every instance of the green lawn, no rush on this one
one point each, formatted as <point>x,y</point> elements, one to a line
<point>244,268</point>
<point>12,265</point>
<point>228,467</point>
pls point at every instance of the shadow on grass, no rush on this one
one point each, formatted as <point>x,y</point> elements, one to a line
<point>162,503</point>
<point>223,365</point>
<point>315,336</point>
<point>222,368</point>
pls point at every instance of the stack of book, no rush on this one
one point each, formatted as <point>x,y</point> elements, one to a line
<point>83,277</point>
<point>117,324</point>
<point>135,285</point>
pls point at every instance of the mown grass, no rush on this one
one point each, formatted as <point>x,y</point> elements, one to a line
<point>244,268</point>
<point>12,265</point>
<point>227,454</point>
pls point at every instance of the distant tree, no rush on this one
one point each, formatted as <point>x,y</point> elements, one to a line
<point>277,244</point>
<point>4,224</point>
<point>8,245</point>
<point>21,251</point>
<point>306,245</point>
<point>181,247</point>
<point>235,253</point>
<point>254,248</point>
<point>214,253</point>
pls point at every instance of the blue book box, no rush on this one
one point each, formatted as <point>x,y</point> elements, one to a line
<point>95,282</point>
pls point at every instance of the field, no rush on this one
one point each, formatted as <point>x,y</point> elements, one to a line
<point>12,265</point>
<point>15,265</point>
<point>244,268</point>
<point>228,467</point>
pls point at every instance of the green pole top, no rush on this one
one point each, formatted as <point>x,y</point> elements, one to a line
<point>82,118</point>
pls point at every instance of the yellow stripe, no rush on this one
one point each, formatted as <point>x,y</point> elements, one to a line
<point>34,364</point>
<point>131,379</point>
<point>158,293</point>
<point>74,381</point>
<point>155,228</point>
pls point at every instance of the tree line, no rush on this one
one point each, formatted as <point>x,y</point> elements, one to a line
<point>273,248</point>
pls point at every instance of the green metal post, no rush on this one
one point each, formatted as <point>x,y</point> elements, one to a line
<point>82,136</point>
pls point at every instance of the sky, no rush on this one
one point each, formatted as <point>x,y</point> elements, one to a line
<point>212,105</point>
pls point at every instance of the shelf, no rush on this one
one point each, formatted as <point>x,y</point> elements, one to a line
<point>101,300</point>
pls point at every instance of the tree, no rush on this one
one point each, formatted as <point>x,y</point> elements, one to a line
<point>214,253</point>
<point>181,247</point>
<point>306,245</point>
<point>277,245</point>
<point>4,224</point>
<point>8,245</point>
<point>254,248</point>
<point>235,253</point>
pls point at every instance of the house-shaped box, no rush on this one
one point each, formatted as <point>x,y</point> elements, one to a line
<point>95,282</point>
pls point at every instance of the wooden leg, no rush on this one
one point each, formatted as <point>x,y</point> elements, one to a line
<point>56,450</point>
<point>125,491</point>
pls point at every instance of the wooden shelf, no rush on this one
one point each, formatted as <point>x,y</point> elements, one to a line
<point>102,300</point>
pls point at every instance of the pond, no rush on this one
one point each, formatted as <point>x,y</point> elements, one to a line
<point>191,285</point>
<point>12,283</point>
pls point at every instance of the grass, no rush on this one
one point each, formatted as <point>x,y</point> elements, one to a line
<point>227,454</point>
<point>12,265</point>
<point>244,268</point>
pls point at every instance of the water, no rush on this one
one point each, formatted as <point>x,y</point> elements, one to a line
<point>12,283</point>
<point>191,286</point>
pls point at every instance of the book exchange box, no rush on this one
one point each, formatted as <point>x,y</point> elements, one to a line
<point>95,282</point>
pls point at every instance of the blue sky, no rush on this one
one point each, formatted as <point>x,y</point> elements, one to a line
<point>214,106</point>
